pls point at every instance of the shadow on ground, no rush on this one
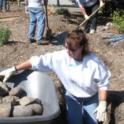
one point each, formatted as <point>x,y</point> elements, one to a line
<point>115,99</point>
<point>59,38</point>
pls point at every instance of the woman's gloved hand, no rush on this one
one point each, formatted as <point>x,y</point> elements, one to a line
<point>101,113</point>
<point>8,73</point>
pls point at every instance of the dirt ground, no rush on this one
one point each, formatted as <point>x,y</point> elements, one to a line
<point>18,49</point>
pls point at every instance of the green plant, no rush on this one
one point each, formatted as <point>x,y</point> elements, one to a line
<point>118,20</point>
<point>62,11</point>
<point>4,35</point>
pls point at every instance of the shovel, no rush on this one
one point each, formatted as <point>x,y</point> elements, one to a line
<point>48,31</point>
<point>84,22</point>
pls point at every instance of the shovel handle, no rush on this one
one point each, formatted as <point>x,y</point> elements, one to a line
<point>91,16</point>
<point>46,13</point>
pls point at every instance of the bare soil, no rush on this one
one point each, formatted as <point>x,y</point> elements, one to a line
<point>18,49</point>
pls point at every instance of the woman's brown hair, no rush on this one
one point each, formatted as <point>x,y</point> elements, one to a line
<point>77,39</point>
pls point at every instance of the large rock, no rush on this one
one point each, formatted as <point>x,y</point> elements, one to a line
<point>36,108</point>
<point>26,100</point>
<point>22,111</point>
<point>10,99</point>
<point>16,91</point>
<point>5,109</point>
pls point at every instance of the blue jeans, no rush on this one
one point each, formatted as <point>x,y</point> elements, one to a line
<point>92,23</point>
<point>3,4</point>
<point>37,20</point>
<point>80,110</point>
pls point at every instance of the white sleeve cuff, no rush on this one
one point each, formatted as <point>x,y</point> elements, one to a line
<point>103,88</point>
<point>34,62</point>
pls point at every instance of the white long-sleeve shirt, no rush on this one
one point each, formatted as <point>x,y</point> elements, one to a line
<point>81,79</point>
<point>35,3</point>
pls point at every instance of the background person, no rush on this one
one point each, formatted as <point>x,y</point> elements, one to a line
<point>36,20</point>
<point>3,5</point>
<point>83,75</point>
<point>87,7</point>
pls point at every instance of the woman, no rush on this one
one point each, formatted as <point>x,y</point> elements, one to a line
<point>3,5</point>
<point>83,75</point>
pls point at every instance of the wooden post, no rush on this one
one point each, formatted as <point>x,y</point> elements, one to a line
<point>58,3</point>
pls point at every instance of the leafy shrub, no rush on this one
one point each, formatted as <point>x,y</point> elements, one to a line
<point>118,20</point>
<point>62,11</point>
<point>4,35</point>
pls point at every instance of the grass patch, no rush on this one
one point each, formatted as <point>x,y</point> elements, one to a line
<point>118,20</point>
<point>4,35</point>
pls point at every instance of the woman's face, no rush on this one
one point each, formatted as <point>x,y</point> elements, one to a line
<point>75,52</point>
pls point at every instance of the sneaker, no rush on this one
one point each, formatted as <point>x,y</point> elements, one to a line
<point>43,42</point>
<point>92,31</point>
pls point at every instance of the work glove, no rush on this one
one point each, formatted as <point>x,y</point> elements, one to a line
<point>101,113</point>
<point>8,73</point>
<point>86,17</point>
<point>101,3</point>
<point>26,10</point>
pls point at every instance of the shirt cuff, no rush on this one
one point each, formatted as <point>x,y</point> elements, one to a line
<point>34,60</point>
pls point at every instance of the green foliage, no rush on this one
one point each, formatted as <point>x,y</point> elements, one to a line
<point>62,11</point>
<point>118,20</point>
<point>4,35</point>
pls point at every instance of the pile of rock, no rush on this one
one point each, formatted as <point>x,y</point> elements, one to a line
<point>15,103</point>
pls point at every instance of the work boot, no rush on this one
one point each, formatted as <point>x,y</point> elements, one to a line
<point>92,31</point>
<point>32,40</point>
